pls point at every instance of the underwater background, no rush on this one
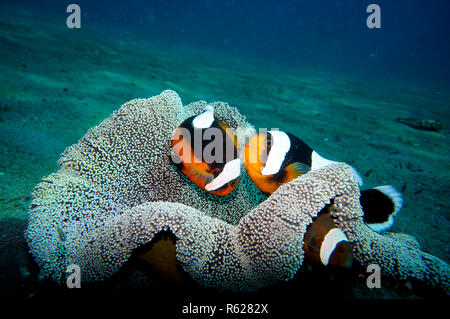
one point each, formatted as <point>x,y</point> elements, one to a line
<point>311,68</point>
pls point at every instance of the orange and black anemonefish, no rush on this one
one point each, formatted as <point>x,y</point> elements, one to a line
<point>326,244</point>
<point>205,151</point>
<point>273,158</point>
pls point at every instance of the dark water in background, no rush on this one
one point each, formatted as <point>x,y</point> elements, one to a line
<point>332,36</point>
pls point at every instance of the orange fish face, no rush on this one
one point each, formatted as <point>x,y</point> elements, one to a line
<point>255,156</point>
<point>325,244</point>
<point>273,159</point>
<point>190,143</point>
<point>255,152</point>
<point>182,149</point>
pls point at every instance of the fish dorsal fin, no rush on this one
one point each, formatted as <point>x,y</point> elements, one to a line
<point>295,170</point>
<point>229,132</point>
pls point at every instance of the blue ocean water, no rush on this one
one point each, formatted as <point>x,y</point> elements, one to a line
<point>412,42</point>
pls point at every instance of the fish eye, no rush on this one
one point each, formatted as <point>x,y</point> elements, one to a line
<point>269,141</point>
<point>233,182</point>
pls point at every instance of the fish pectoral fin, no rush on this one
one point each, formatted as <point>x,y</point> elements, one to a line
<point>295,170</point>
<point>198,174</point>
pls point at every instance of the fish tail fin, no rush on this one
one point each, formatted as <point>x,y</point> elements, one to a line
<point>380,204</point>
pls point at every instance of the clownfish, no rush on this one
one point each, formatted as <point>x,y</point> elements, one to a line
<point>274,158</point>
<point>205,151</point>
<point>326,244</point>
